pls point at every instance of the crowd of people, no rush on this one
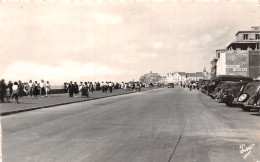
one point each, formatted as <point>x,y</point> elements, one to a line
<point>15,90</point>
<point>189,85</point>
<point>73,88</point>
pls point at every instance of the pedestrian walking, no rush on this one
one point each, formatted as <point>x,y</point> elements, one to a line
<point>7,94</point>
<point>42,88</point>
<point>15,94</point>
<point>133,86</point>
<point>84,91</point>
<point>98,86</point>
<point>95,86</point>
<point>65,87</point>
<point>106,86</point>
<point>2,90</point>
<point>47,89</point>
<point>194,85</point>
<point>35,89</point>
<point>80,86</point>
<point>20,88</point>
<point>110,86</point>
<point>125,86</point>
<point>27,89</point>
<point>102,87</point>
<point>76,89</point>
<point>30,88</point>
<point>87,88</point>
<point>10,86</point>
<point>71,89</point>
<point>91,88</point>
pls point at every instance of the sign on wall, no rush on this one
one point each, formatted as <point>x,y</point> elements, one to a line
<point>237,62</point>
<point>233,66</point>
<point>239,69</point>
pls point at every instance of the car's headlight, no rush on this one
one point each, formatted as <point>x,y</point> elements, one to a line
<point>242,97</point>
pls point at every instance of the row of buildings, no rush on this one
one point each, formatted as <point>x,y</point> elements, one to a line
<point>177,77</point>
<point>241,57</point>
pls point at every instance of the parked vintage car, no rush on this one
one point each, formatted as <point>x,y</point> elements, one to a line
<point>204,84</point>
<point>218,88</point>
<point>230,95</point>
<point>252,93</point>
<point>216,80</point>
<point>222,89</point>
<point>170,85</point>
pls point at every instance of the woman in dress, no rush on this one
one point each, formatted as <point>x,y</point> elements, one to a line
<point>27,89</point>
<point>84,91</point>
<point>47,89</point>
<point>35,89</point>
<point>76,89</point>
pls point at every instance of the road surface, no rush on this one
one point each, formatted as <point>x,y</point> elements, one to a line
<point>160,125</point>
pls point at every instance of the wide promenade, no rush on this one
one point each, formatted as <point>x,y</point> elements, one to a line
<point>161,125</point>
<point>34,103</point>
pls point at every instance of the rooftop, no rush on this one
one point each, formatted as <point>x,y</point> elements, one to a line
<point>199,74</point>
<point>181,73</point>
<point>244,42</point>
<point>255,29</point>
<point>221,50</point>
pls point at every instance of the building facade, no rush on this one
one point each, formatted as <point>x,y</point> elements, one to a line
<point>242,57</point>
<point>177,77</point>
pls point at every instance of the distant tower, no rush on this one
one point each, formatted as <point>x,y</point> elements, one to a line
<point>204,72</point>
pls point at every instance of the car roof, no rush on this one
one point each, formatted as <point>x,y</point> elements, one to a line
<point>254,83</point>
<point>231,77</point>
<point>241,82</point>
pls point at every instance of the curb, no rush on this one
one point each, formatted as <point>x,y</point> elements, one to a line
<point>65,103</point>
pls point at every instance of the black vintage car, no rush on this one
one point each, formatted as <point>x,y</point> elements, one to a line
<point>218,88</point>
<point>216,80</point>
<point>251,94</point>
<point>230,95</point>
<point>204,84</point>
<point>219,94</point>
<point>170,85</point>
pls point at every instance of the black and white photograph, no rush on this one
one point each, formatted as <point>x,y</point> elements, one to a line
<point>129,81</point>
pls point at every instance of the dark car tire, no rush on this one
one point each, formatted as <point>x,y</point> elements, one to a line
<point>245,108</point>
<point>229,104</point>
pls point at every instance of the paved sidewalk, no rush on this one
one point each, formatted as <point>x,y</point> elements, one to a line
<point>34,103</point>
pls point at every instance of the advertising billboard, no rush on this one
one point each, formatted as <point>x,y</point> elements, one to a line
<point>237,62</point>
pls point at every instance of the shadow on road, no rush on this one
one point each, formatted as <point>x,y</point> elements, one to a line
<point>256,114</point>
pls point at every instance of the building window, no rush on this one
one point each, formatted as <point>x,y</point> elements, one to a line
<point>245,36</point>
<point>257,36</point>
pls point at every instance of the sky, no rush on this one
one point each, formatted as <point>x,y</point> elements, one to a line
<point>115,41</point>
